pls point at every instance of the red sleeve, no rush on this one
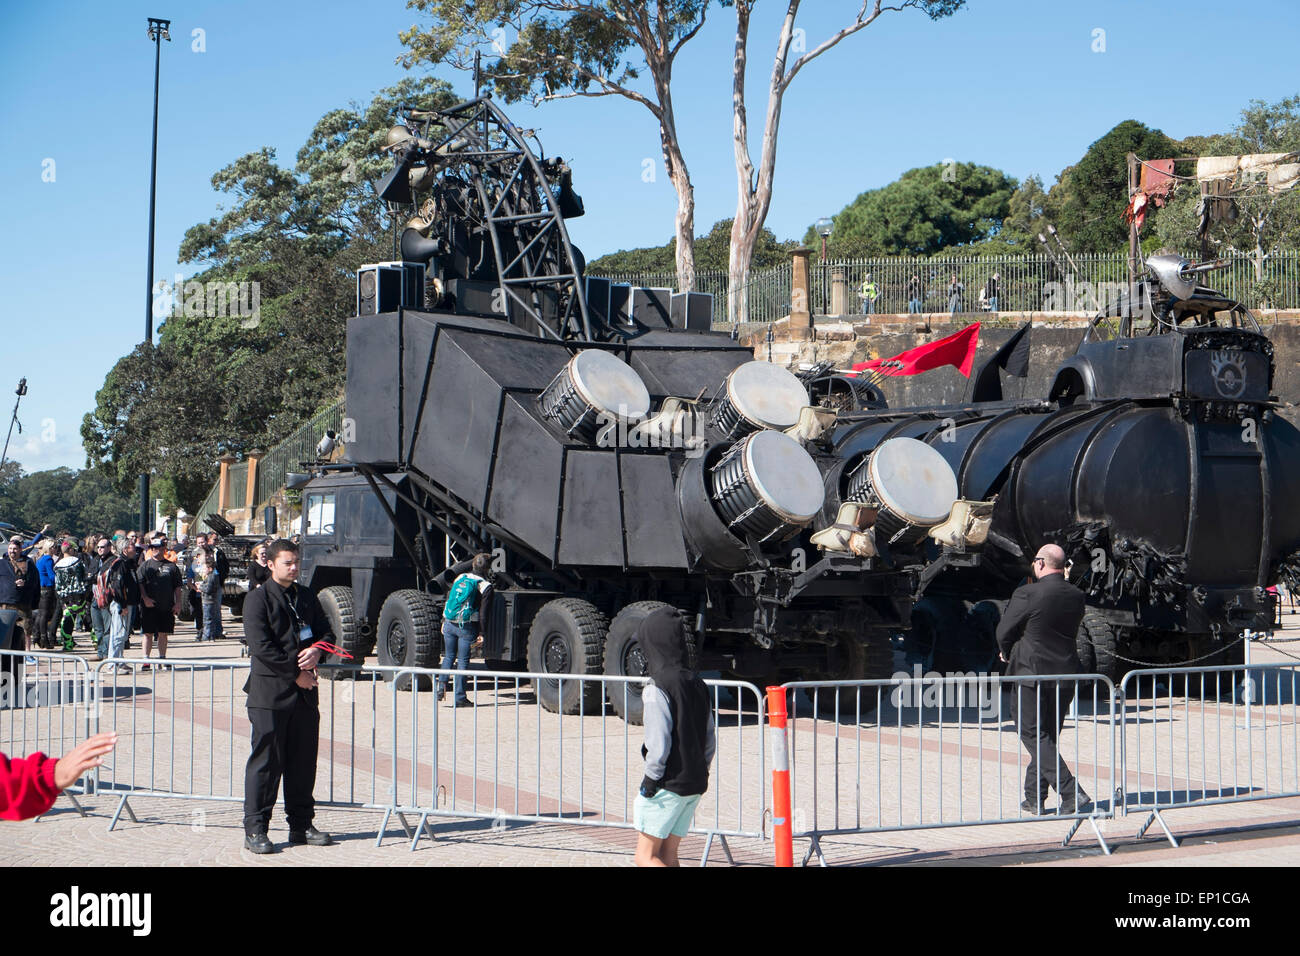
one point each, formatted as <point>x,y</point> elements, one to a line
<point>26,786</point>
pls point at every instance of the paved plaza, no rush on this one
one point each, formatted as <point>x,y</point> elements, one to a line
<point>185,731</point>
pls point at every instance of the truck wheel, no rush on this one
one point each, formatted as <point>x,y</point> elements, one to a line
<point>567,637</point>
<point>408,636</point>
<point>1102,638</point>
<point>623,658</point>
<point>336,604</point>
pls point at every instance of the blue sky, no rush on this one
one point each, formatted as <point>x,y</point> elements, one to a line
<point>1013,84</point>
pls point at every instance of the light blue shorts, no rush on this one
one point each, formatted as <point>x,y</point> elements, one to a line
<point>663,814</point>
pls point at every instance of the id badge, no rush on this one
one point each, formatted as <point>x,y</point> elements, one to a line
<point>304,634</point>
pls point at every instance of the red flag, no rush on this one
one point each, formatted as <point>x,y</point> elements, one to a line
<point>957,349</point>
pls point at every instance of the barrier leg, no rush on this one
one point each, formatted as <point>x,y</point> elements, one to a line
<point>1155,817</point>
<point>122,805</point>
<point>1096,830</point>
<point>75,802</point>
<point>420,829</point>
<point>814,846</point>
<point>708,845</point>
<point>383,825</point>
<point>782,826</point>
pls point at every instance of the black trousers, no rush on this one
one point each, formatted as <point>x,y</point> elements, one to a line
<point>284,744</point>
<point>43,624</point>
<point>196,609</point>
<point>1041,707</point>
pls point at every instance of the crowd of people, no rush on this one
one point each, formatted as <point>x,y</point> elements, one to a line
<point>109,587</point>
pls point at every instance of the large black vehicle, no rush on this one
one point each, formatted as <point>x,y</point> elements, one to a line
<point>610,458</point>
<point>1157,460</point>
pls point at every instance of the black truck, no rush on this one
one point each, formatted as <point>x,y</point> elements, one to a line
<point>609,456</point>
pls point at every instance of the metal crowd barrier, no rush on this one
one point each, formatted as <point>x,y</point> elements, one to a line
<point>46,705</point>
<point>508,760</point>
<point>1189,738</point>
<point>183,733</point>
<point>926,752</point>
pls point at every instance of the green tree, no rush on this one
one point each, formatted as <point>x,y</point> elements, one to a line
<point>711,252</point>
<point>227,384</point>
<point>925,210</point>
<point>1089,197</point>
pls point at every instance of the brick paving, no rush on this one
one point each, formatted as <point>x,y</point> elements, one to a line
<point>186,730</point>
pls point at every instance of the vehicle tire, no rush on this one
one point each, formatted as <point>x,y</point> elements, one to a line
<point>568,637</point>
<point>337,606</point>
<point>623,658</point>
<point>1102,638</point>
<point>409,635</point>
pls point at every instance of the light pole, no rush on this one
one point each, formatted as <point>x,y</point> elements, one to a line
<point>20,392</point>
<point>158,31</point>
<point>824,227</point>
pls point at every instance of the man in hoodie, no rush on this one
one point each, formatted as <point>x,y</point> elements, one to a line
<point>679,739</point>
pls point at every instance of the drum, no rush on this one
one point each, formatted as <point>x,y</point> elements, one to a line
<point>910,484</point>
<point>755,396</point>
<point>594,388</point>
<point>766,486</point>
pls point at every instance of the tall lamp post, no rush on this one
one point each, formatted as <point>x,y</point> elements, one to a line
<point>20,392</point>
<point>158,31</point>
<point>824,227</point>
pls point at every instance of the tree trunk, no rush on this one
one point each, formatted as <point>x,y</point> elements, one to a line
<point>678,175</point>
<point>685,219</point>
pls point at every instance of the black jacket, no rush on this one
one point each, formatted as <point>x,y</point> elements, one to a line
<point>662,637</point>
<point>271,630</point>
<point>122,582</point>
<point>29,594</point>
<point>1038,630</point>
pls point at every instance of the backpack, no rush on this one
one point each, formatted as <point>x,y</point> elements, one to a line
<point>103,592</point>
<point>463,599</point>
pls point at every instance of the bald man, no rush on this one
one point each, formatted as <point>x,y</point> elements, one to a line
<point>1036,636</point>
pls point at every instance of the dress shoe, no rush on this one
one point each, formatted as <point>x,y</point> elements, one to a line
<point>1080,802</point>
<point>258,843</point>
<point>311,836</point>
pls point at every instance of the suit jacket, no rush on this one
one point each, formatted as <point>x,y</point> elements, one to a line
<point>271,630</point>
<point>1038,630</point>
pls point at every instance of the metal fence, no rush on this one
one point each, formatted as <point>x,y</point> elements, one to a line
<point>183,734</point>
<point>273,469</point>
<point>920,753</point>
<point>1189,737</point>
<point>506,759</point>
<point>1033,283</point>
<point>293,451</point>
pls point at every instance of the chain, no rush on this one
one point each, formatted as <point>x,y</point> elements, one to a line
<point>1203,657</point>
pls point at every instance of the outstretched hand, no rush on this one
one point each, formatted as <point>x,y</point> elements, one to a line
<point>86,755</point>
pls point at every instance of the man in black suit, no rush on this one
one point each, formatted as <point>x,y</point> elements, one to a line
<point>282,623</point>
<point>1036,636</point>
